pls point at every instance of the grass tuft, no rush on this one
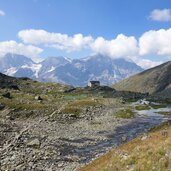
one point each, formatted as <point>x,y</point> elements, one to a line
<point>125,114</point>
<point>164,113</point>
<point>158,106</point>
<point>142,107</point>
<point>72,110</point>
<point>83,103</point>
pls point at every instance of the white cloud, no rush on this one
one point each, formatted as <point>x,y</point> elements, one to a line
<point>2,13</point>
<point>56,40</point>
<point>19,48</point>
<point>160,15</point>
<point>121,46</point>
<point>146,63</point>
<point>156,42</point>
<point>75,43</point>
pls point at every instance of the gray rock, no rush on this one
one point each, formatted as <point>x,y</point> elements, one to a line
<point>144,137</point>
<point>124,138</point>
<point>20,167</point>
<point>38,98</point>
<point>34,143</point>
<point>2,106</point>
<point>60,164</point>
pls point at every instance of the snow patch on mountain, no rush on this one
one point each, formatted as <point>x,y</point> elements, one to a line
<point>52,69</point>
<point>11,71</point>
<point>34,67</point>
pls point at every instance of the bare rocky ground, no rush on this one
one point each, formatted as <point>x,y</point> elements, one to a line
<point>67,143</point>
<point>54,144</point>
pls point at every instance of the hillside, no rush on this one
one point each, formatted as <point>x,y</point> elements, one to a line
<point>10,82</point>
<point>154,80</point>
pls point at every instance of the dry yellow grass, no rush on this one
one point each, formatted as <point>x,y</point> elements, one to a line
<point>151,153</point>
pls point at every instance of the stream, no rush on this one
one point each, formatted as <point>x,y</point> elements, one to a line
<point>145,120</point>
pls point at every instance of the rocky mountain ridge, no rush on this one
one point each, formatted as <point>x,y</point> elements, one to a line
<point>76,72</point>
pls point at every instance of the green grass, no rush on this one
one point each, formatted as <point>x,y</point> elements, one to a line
<point>131,100</point>
<point>14,104</point>
<point>161,101</point>
<point>125,114</point>
<point>74,107</point>
<point>74,96</point>
<point>83,103</point>
<point>142,107</point>
<point>72,110</point>
<point>164,113</point>
<point>158,106</point>
<point>24,114</point>
<point>42,88</point>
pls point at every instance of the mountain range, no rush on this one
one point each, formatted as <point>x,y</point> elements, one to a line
<point>76,72</point>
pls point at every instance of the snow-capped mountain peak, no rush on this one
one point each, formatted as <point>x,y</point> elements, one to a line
<point>76,72</point>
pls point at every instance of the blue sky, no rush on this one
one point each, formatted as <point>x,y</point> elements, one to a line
<point>93,18</point>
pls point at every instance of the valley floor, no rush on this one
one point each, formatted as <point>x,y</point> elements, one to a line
<point>45,143</point>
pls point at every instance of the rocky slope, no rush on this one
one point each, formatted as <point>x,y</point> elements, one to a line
<point>154,80</point>
<point>75,72</point>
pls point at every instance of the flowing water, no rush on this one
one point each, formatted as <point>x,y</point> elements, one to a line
<point>145,120</point>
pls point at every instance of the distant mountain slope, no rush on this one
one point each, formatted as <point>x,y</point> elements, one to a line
<point>98,67</point>
<point>16,65</point>
<point>75,72</point>
<point>14,60</point>
<point>154,80</point>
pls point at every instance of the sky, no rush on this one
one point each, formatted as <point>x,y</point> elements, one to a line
<point>137,30</point>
